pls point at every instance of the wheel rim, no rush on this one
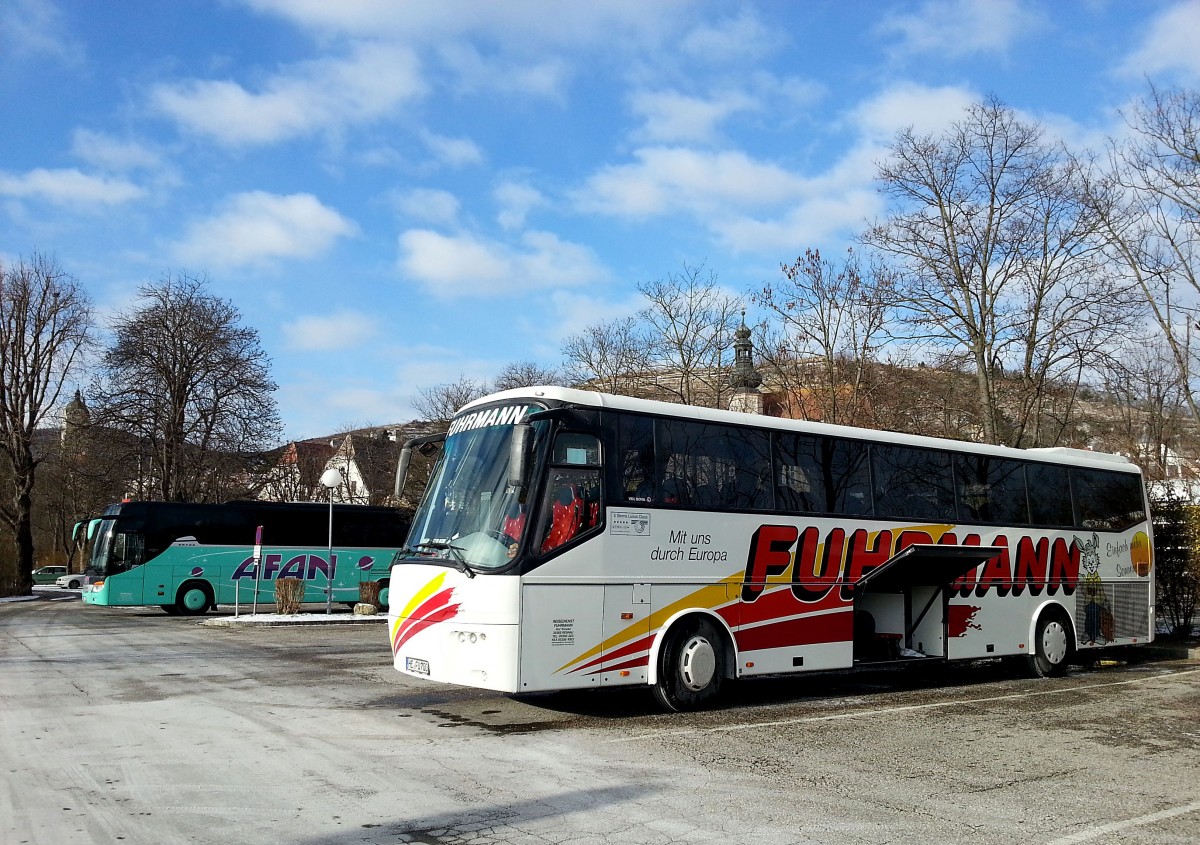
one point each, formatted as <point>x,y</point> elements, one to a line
<point>697,663</point>
<point>383,597</point>
<point>194,599</point>
<point>1054,642</point>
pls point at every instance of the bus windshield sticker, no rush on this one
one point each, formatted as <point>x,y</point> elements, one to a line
<point>507,415</point>
<point>630,522</point>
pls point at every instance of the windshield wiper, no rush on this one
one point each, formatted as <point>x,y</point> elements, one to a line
<point>457,551</point>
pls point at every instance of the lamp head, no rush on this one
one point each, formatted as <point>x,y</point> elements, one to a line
<point>331,478</point>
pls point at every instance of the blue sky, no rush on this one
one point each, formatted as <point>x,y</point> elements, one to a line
<point>396,194</point>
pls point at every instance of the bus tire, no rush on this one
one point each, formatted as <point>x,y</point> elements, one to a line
<point>170,609</point>
<point>691,666</point>
<point>194,598</point>
<point>383,594</point>
<point>1052,645</point>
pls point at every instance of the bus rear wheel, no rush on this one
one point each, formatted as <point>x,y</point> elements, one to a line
<point>1052,646</point>
<point>193,599</point>
<point>170,609</point>
<point>691,666</point>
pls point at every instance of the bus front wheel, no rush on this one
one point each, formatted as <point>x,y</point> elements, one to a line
<point>691,666</point>
<point>170,609</point>
<point>194,599</point>
<point>1052,646</point>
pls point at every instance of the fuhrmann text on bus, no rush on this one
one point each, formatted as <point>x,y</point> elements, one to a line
<point>819,564</point>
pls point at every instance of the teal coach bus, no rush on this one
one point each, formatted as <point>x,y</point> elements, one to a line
<point>188,558</point>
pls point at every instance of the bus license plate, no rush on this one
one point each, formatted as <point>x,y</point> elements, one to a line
<point>416,665</point>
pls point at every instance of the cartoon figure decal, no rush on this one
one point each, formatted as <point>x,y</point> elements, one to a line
<point>1098,619</point>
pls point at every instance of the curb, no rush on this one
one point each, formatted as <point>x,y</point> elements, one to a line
<point>1172,651</point>
<point>315,619</point>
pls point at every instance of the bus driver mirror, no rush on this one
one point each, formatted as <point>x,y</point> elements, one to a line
<point>519,457</point>
<point>426,447</point>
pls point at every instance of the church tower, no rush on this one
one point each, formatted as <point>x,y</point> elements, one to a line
<point>745,380</point>
<point>76,419</point>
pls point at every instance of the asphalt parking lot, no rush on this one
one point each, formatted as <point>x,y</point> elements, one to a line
<point>129,725</point>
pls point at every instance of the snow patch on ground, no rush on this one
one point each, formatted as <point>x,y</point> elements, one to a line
<point>7,599</point>
<point>293,619</point>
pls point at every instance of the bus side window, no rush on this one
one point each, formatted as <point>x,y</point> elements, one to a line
<point>912,483</point>
<point>1106,501</point>
<point>635,444</point>
<point>572,502</point>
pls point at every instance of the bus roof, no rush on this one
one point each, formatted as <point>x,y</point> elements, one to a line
<point>594,399</point>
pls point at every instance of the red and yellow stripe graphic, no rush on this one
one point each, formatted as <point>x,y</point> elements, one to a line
<point>430,605</point>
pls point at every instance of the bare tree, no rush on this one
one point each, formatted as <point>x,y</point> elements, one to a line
<point>81,473</point>
<point>827,324</point>
<point>442,401</point>
<point>525,374</point>
<point>45,325</point>
<point>1150,207</point>
<point>1148,406</point>
<point>999,259</point>
<point>606,354</point>
<point>690,323</point>
<point>192,385</point>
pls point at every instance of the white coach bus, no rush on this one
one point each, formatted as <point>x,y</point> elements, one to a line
<point>570,539</point>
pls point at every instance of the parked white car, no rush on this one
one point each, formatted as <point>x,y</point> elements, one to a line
<point>72,582</point>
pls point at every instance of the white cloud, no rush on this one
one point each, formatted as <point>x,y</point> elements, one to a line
<point>430,205</point>
<point>1169,44</point>
<point>108,152</point>
<point>475,71</point>
<point>672,179</point>
<point>529,24</point>
<point>34,29</point>
<point>925,109</point>
<point>748,205</point>
<point>258,226</point>
<point>309,97</point>
<point>458,265</point>
<point>315,408</point>
<point>516,200</point>
<point>456,152</point>
<point>362,405</point>
<point>671,116</point>
<point>68,187</point>
<point>960,28</point>
<point>731,39</point>
<point>812,222</point>
<point>574,311</point>
<point>323,333</point>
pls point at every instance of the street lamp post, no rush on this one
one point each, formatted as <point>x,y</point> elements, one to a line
<point>330,479</point>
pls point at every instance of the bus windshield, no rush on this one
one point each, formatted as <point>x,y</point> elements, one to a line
<point>469,514</point>
<point>102,542</point>
<point>115,550</point>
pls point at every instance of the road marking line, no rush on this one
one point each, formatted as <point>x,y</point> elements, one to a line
<point>1092,833</point>
<point>935,705</point>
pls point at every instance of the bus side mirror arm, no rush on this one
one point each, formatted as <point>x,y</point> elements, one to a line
<point>425,445</point>
<point>402,470</point>
<point>519,458</point>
